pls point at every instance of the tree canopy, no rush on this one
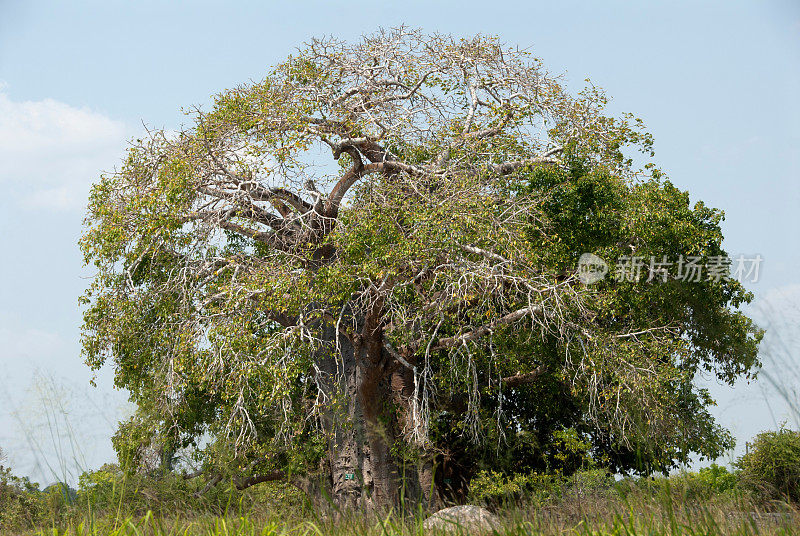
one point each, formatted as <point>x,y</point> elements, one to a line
<point>364,268</point>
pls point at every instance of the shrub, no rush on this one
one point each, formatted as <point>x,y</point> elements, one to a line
<point>112,491</point>
<point>703,485</point>
<point>771,468</point>
<point>590,482</point>
<point>491,488</point>
<point>716,479</point>
<point>100,489</point>
<point>20,504</point>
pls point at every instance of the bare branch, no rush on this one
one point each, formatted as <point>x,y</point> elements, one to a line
<point>524,378</point>
<point>468,336</point>
<point>509,167</point>
<point>246,482</point>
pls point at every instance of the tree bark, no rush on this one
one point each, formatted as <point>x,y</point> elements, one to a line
<point>361,429</point>
<point>358,457</point>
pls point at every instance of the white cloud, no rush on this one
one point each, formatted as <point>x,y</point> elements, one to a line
<point>29,344</point>
<point>52,152</point>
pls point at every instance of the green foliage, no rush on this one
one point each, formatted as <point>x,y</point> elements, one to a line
<point>590,482</point>
<point>717,479</point>
<point>710,485</point>
<point>112,491</point>
<point>707,484</point>
<point>20,503</point>
<point>99,488</point>
<point>772,466</point>
<point>494,489</point>
<point>591,210</point>
<point>569,452</point>
<point>24,505</point>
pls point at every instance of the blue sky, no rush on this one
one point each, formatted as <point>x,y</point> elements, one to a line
<point>716,82</point>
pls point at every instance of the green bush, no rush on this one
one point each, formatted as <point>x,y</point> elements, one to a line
<point>491,488</point>
<point>98,488</point>
<point>494,490</point>
<point>23,506</point>
<point>717,479</point>
<point>771,468</point>
<point>709,484</point>
<point>20,502</point>
<point>591,482</point>
<point>703,485</point>
<point>112,491</point>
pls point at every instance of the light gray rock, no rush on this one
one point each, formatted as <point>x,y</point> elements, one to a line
<point>465,519</point>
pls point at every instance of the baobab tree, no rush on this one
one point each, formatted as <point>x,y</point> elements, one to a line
<point>374,240</point>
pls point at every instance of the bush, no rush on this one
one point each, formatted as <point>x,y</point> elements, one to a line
<point>709,484</point>
<point>493,489</point>
<point>590,482</point>
<point>20,504</point>
<point>101,490</point>
<point>705,484</point>
<point>771,468</point>
<point>717,479</point>
<point>112,491</point>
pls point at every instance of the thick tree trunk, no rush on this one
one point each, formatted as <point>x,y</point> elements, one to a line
<point>362,475</point>
<point>361,429</point>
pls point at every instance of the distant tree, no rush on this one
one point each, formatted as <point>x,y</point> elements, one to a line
<point>352,323</point>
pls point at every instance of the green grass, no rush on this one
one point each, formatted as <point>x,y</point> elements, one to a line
<point>619,524</point>
<point>109,502</point>
<point>579,514</point>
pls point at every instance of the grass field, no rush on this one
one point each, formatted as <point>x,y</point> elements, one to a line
<point>711,501</point>
<point>514,523</point>
<point>648,510</point>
